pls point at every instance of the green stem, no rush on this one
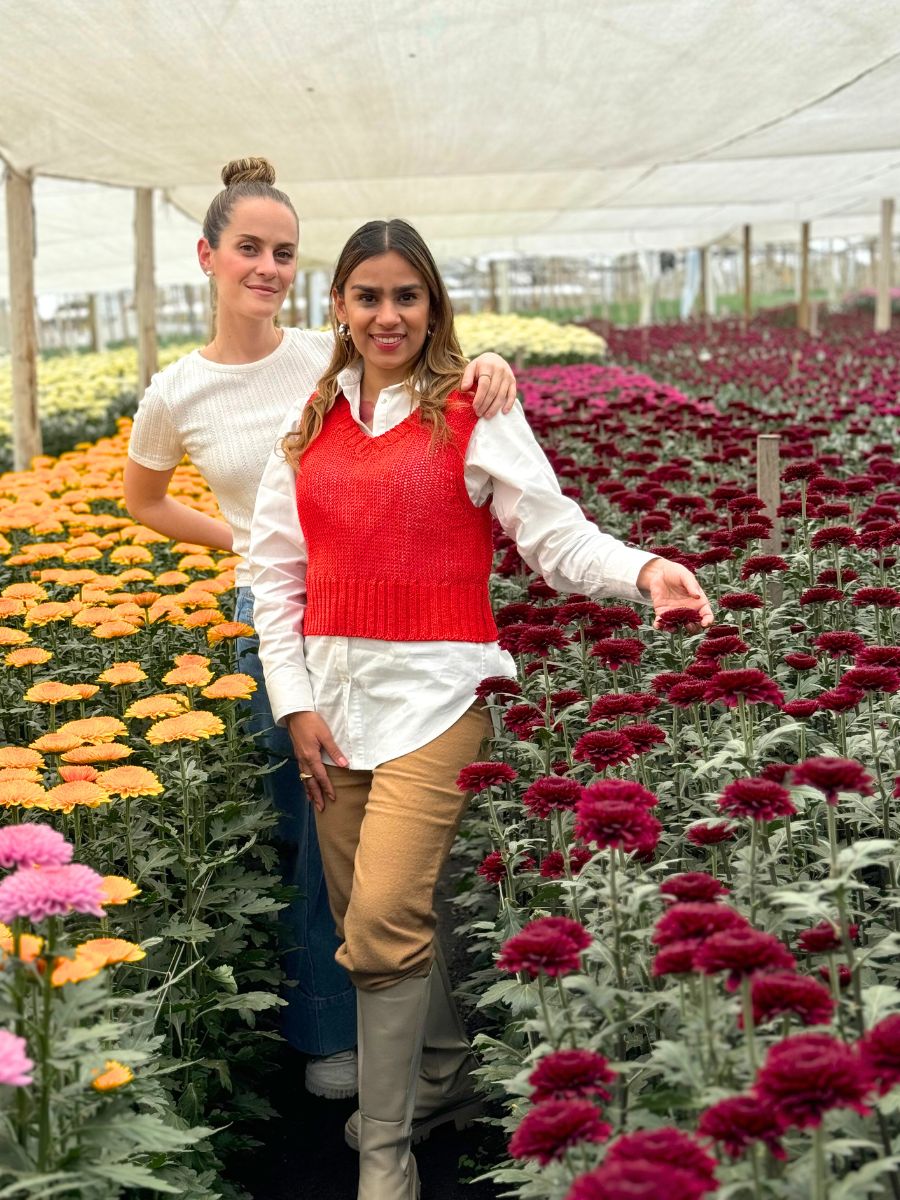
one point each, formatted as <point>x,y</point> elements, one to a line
<point>44,1040</point>
<point>749,1027</point>
<point>820,1166</point>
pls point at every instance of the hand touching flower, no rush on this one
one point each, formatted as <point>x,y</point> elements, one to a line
<point>670,585</point>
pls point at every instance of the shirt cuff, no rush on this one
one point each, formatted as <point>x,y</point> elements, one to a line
<point>621,570</point>
<point>289,691</point>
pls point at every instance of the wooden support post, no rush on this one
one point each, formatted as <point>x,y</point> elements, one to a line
<point>803,314</point>
<point>768,488</point>
<point>20,243</point>
<point>144,286</point>
<point>95,323</point>
<point>748,276</point>
<point>293,307</point>
<point>885,264</point>
<point>703,291</point>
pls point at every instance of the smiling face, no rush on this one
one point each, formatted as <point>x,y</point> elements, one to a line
<point>256,259</point>
<point>386,304</point>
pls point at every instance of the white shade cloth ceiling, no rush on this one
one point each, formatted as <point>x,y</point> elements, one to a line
<point>495,126</point>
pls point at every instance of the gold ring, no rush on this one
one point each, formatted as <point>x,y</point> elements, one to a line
<point>303,775</point>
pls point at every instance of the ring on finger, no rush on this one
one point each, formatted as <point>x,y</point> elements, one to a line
<point>305,775</point>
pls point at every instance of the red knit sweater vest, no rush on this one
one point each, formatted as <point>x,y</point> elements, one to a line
<point>397,550</point>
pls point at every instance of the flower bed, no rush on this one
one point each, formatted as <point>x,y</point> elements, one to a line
<point>528,340</point>
<point>682,860</point>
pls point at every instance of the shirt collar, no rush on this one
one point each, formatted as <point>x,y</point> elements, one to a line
<point>349,382</point>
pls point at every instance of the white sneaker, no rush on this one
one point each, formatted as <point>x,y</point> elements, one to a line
<point>334,1077</point>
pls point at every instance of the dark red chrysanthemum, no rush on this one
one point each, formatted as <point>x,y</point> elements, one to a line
<point>833,775</point>
<point>497,686</point>
<point>571,1075</point>
<point>834,535</point>
<point>840,699</point>
<point>838,643</point>
<point>741,952</point>
<point>554,1126</point>
<point>643,735</point>
<point>621,789</point>
<point>622,704</point>
<point>523,719</point>
<point>753,685</point>
<point>638,1181</point>
<point>880,1053</point>
<point>577,610</point>
<point>706,669</point>
<point>740,601</point>
<point>665,1146</point>
<point>694,886</point>
<point>872,679</point>
<point>879,656</point>
<point>739,1122</point>
<point>688,921</point>
<point>675,619</point>
<point>603,748</point>
<point>579,858</point>
<point>547,946</point>
<point>800,710</point>
<point>541,639</point>
<point>549,794</point>
<point>675,959</point>
<point>762,564</point>
<point>719,647</point>
<point>562,699</point>
<point>820,595</point>
<point>710,833</point>
<point>517,613</point>
<point>876,597</point>
<point>667,679</point>
<point>508,636</point>
<point>479,776</point>
<point>801,662</point>
<point>683,695</point>
<point>807,1075</point>
<point>617,652</point>
<point>787,992</point>
<point>823,938</point>
<point>776,771</point>
<point>492,867</point>
<point>758,799</point>
<point>552,865</point>
<point>620,823</point>
<point>611,618</point>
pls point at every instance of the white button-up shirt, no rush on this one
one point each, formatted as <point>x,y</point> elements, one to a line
<point>384,699</point>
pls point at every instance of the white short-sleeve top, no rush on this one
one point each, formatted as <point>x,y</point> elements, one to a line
<point>226,418</point>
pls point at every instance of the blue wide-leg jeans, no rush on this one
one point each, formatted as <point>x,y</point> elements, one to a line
<point>320,1015</point>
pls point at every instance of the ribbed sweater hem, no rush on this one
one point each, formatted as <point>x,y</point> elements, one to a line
<point>396,611</point>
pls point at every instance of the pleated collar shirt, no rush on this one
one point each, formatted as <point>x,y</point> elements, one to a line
<point>385,699</point>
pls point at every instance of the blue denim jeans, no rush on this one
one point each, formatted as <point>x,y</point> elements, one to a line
<point>320,1016</point>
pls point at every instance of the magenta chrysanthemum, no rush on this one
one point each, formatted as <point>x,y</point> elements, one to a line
<point>551,1128</point>
<point>741,952</point>
<point>479,776</point>
<point>571,1075</point>
<point>807,1075</point>
<point>35,893</point>
<point>759,799</point>
<point>832,775</point>
<point>880,1051</point>
<point>550,794</point>
<point>693,886</point>
<point>547,946</point>
<point>15,1065</point>
<point>33,846</point>
<point>738,1122</point>
<point>749,683</point>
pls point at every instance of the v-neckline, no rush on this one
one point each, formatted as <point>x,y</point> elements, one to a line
<point>401,429</point>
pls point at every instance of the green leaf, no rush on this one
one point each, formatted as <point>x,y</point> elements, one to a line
<point>132,1176</point>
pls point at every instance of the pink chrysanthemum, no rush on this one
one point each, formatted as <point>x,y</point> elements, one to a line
<point>33,846</point>
<point>36,893</point>
<point>15,1065</point>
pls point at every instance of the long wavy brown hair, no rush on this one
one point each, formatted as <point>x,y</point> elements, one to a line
<point>438,369</point>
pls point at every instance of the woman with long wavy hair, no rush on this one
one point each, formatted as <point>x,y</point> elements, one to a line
<point>370,553</point>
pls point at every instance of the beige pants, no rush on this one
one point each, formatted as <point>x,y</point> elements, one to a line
<point>384,841</point>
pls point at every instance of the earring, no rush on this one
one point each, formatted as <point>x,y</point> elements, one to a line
<point>344,331</point>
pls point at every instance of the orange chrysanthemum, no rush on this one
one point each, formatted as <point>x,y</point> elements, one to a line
<point>13,637</point>
<point>190,677</point>
<point>129,555</point>
<point>146,599</point>
<point>166,704</point>
<point>118,890</point>
<point>75,970</point>
<point>46,614</point>
<point>10,607</point>
<point>190,727</point>
<point>86,690</point>
<point>191,660</point>
<point>114,629</point>
<point>115,1076</point>
<point>18,756</point>
<point>25,792</point>
<point>27,656</point>
<point>202,618</point>
<point>130,781</point>
<point>229,629</point>
<point>80,792</point>
<point>52,692</point>
<point>231,687</point>
<point>56,743</point>
<point>109,951</point>
<point>172,579</point>
<point>30,946</point>
<point>136,575</point>
<point>197,562</point>
<point>72,774</point>
<point>82,554</point>
<point>20,773</point>
<point>91,617</point>
<point>95,729</point>
<point>104,753</point>
<point>24,591</point>
<point>122,673</point>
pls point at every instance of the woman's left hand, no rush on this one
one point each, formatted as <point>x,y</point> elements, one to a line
<point>671,585</point>
<point>496,382</point>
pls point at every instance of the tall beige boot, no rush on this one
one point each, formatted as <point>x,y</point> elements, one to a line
<point>390,1026</point>
<point>444,1091</point>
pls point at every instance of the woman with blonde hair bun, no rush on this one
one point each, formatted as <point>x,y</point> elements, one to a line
<point>223,405</point>
<point>371,550</point>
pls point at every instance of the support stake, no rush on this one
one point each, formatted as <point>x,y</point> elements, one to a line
<point>23,331</point>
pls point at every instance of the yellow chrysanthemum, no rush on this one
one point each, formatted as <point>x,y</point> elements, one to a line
<point>66,796</point>
<point>130,555</point>
<point>27,656</point>
<point>166,704</point>
<point>24,792</point>
<point>115,1076</point>
<point>122,673</point>
<point>95,729</point>
<point>19,756</point>
<point>231,687</point>
<point>190,727</point>
<point>31,773</point>
<point>51,691</point>
<point>114,629</point>
<point>190,677</point>
<point>229,629</point>
<point>10,607</point>
<point>104,753</point>
<point>197,562</point>
<point>109,951</point>
<point>56,743</point>
<point>82,554</point>
<point>24,591</point>
<point>118,890</point>
<point>13,637</point>
<point>136,575</point>
<point>130,781</point>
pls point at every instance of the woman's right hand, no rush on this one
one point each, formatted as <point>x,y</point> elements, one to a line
<point>310,735</point>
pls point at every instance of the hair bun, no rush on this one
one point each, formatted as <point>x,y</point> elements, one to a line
<point>248,170</point>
